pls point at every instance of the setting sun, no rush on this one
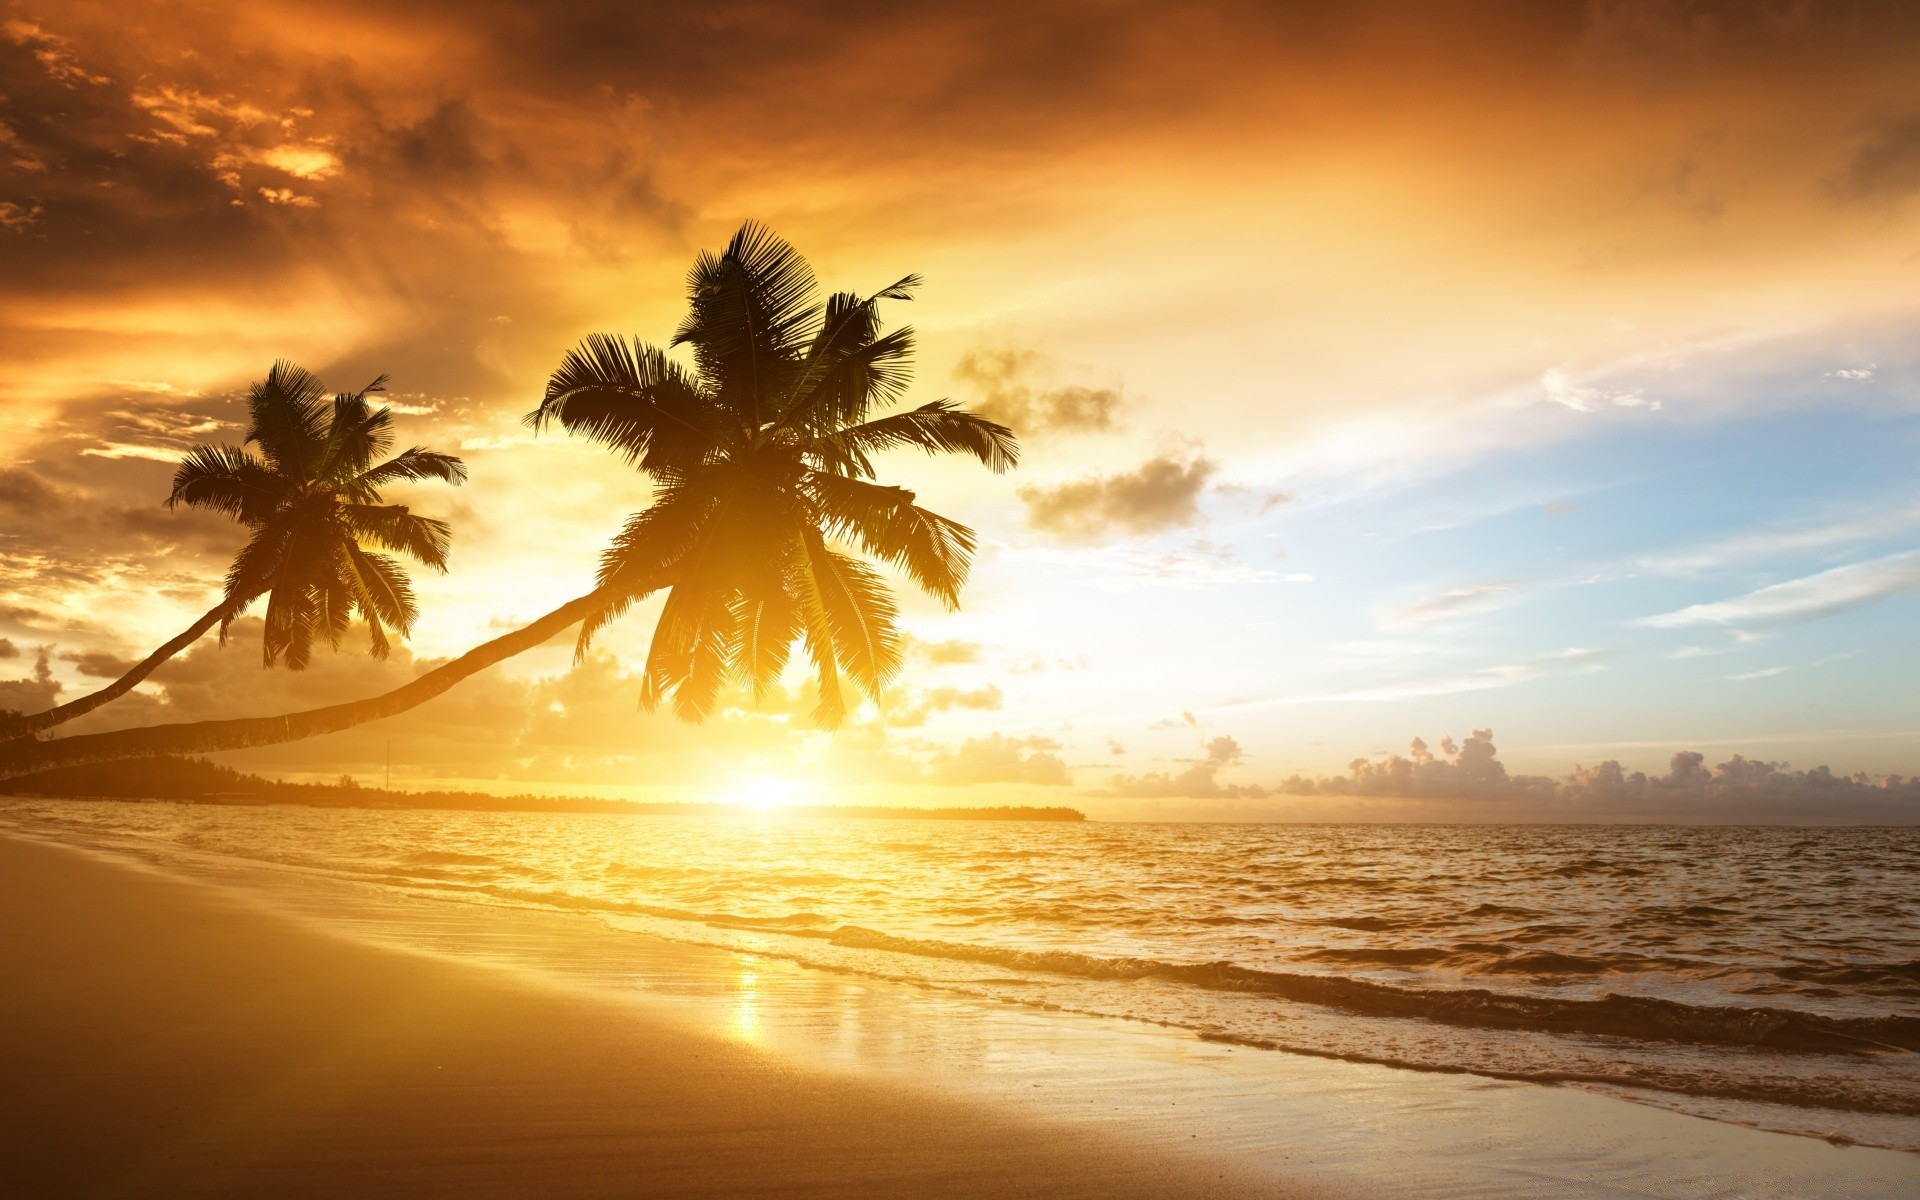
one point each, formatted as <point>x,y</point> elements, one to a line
<point>766,793</point>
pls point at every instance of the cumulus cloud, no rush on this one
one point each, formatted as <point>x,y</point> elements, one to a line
<point>1009,390</point>
<point>1737,790</point>
<point>1198,781</point>
<point>1470,769</point>
<point>1742,789</point>
<point>1160,494</point>
<point>998,758</point>
<point>37,691</point>
<point>97,664</point>
<point>1808,598</point>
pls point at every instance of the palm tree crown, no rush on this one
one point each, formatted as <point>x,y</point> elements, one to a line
<point>762,460</point>
<point>307,484</point>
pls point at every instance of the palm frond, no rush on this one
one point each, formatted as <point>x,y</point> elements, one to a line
<point>767,626</point>
<point>229,480</point>
<point>750,312</point>
<point>416,464</point>
<point>385,595</point>
<point>631,397</point>
<point>289,420</point>
<point>357,435</point>
<point>934,551</point>
<point>649,552</point>
<point>253,572</point>
<point>938,427</point>
<point>843,384</point>
<point>860,610</point>
<point>397,528</point>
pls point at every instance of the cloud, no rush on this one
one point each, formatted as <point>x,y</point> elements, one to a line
<point>1160,494</point>
<point>1885,162</point>
<point>945,699</point>
<point>952,652</point>
<point>35,692</point>
<point>1455,603</point>
<point>1453,683</point>
<point>1004,380</point>
<point>1462,769</point>
<point>18,218</point>
<point>1739,790</point>
<point>1742,790</point>
<point>1562,389</point>
<point>1768,543</point>
<point>1762,673</point>
<point>1199,781</point>
<point>97,664</point>
<point>997,758</point>
<point>1805,599</point>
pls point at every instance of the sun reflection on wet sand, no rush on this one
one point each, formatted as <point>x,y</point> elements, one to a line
<point>745,1023</point>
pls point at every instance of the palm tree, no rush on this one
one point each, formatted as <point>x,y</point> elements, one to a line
<point>762,457</point>
<point>311,498</point>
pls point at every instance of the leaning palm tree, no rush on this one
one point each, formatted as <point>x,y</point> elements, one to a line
<point>307,485</point>
<point>762,456</point>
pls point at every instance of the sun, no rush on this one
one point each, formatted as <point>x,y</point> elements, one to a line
<point>766,792</point>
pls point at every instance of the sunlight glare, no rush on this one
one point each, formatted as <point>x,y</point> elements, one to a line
<point>764,793</point>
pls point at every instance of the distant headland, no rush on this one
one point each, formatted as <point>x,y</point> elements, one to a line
<point>197,781</point>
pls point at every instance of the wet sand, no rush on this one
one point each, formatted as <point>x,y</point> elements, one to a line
<point>161,1039</point>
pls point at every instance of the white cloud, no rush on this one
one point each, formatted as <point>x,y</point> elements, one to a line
<point>1441,685</point>
<point>1457,602</point>
<point>1774,542</point>
<point>1805,599</point>
<point>165,454</point>
<point>1561,389</point>
<point>1762,673</point>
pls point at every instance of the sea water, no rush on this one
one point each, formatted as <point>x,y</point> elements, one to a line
<point>1765,974</point>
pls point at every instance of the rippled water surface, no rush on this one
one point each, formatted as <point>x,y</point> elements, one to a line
<point>1777,968</point>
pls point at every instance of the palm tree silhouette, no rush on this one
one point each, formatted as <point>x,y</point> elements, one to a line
<point>311,498</point>
<point>760,454</point>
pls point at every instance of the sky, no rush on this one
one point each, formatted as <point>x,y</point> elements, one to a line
<point>1383,371</point>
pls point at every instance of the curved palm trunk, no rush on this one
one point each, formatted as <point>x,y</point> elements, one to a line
<point>201,737</point>
<point>14,727</point>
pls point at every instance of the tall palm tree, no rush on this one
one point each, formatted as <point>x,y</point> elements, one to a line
<point>761,459</point>
<point>311,498</point>
<point>762,456</point>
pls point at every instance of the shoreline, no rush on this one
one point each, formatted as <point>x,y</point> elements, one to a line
<point>1253,1122</point>
<point>162,1040</point>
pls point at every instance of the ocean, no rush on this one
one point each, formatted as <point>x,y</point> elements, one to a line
<point>1763,975</point>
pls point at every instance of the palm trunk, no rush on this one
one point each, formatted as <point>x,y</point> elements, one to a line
<point>15,727</point>
<point>202,737</point>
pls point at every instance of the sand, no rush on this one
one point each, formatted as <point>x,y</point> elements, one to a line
<point>160,1038</point>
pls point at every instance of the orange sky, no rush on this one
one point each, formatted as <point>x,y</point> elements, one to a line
<point>1268,244</point>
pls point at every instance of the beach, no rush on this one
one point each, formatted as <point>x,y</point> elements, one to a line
<point>164,1041</point>
<point>169,1035</point>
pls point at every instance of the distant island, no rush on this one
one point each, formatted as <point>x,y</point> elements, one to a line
<point>197,781</point>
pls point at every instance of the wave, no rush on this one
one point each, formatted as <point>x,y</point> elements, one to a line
<point>1642,1018</point>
